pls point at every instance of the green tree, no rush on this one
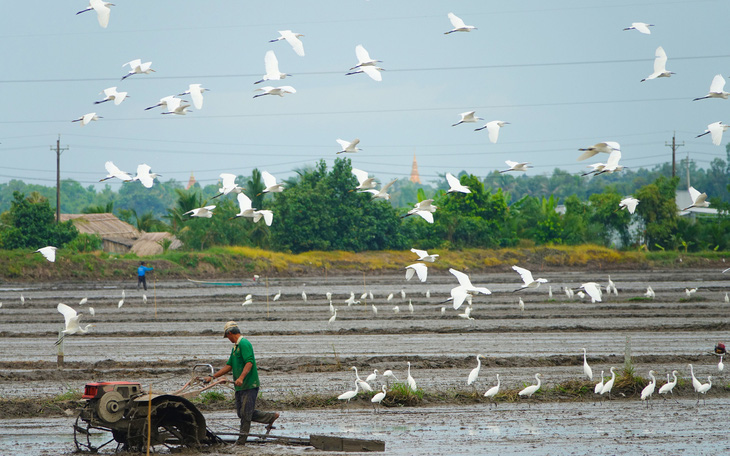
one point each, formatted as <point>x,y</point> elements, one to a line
<point>658,211</point>
<point>30,224</point>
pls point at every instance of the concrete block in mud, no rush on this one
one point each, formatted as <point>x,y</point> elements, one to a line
<point>329,443</point>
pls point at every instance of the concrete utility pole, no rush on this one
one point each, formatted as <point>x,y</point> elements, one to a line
<point>58,150</point>
<point>674,147</point>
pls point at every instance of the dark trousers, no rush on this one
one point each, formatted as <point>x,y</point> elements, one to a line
<point>246,410</point>
<point>142,280</point>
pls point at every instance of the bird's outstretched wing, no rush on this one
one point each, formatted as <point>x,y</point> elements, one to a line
<point>67,312</point>
<point>525,274</point>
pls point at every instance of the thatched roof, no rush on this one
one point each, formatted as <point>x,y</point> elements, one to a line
<point>104,225</point>
<point>151,243</point>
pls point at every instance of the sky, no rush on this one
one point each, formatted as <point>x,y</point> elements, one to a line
<point>564,74</point>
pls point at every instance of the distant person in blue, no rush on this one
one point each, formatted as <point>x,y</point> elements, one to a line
<point>141,271</point>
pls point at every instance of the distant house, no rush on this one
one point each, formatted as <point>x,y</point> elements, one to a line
<point>120,237</point>
<point>683,200</point>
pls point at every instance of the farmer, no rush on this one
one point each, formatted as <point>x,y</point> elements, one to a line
<point>246,380</point>
<point>141,271</point>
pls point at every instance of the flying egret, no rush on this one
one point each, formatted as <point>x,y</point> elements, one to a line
<point>608,386</point>
<point>593,290</point>
<point>348,147</point>
<point>111,94</point>
<point>455,185</point>
<point>383,192</point>
<point>49,253</point>
<point>629,204</point>
<point>411,382</point>
<point>532,389</point>
<point>277,296</point>
<point>720,365</point>
<point>595,168</point>
<point>423,209</point>
<point>86,118</point>
<point>349,394</point>
<point>364,182</point>
<point>529,282</point>
<point>164,102</point>
<point>612,163</point>
<point>599,386</point>
<point>196,94</point>
<point>205,211</point>
<point>269,90</point>
<point>703,389</point>
<point>424,256</point>
<point>458,24</point>
<point>102,11</point>
<point>71,321</point>
<point>372,71</point>
<point>293,40</point>
<point>145,176</point>
<point>669,386</point>
<point>715,130</point>
<point>378,398</point>
<point>492,392</point>
<point>717,87</point>
<point>137,67</point>
<point>649,389</point>
<point>602,147</point>
<point>417,268</point>
<point>228,185</point>
<point>698,199</point>
<point>363,57</point>
<point>176,106</point>
<point>458,294</point>
<point>113,172</point>
<point>493,129</point>
<point>660,65</point>
<point>271,65</point>
<point>245,210</point>
<point>474,374</point>
<point>270,183</point>
<point>516,166</point>
<point>467,117</point>
<point>333,317</point>
<point>83,301</point>
<point>586,368</point>
<point>649,292</point>
<point>641,27</point>
<point>363,385</point>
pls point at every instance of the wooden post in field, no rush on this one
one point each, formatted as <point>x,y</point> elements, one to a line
<point>267,297</point>
<point>59,356</point>
<point>154,291</point>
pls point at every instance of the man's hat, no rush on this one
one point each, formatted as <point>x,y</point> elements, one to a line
<point>228,326</point>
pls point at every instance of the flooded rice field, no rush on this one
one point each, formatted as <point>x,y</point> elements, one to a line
<point>300,353</point>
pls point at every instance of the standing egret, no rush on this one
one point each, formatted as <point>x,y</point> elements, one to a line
<point>467,117</point>
<point>346,396</point>
<point>608,386</point>
<point>611,286</point>
<point>411,382</point>
<point>374,309</point>
<point>205,211</point>
<point>455,185</point>
<point>417,268</point>
<point>83,301</point>
<point>467,314</point>
<point>270,185</point>
<point>586,368</point>
<point>428,294</point>
<point>86,118</point>
<point>593,290</point>
<point>113,171</point>
<point>695,383</point>
<point>333,317</point>
<point>22,299</point>
<point>388,374</point>
<point>424,256</point>
<point>492,392</point>
<point>474,374</point>
<point>649,389</point>
<point>145,176</point>
<point>526,276</point>
<point>396,309</point>
<point>348,146</point>
<point>196,94</point>
<point>458,24</point>
<point>248,300</point>
<point>71,321</point>
<point>277,296</point>
<point>522,305</point>
<point>332,308</point>
<point>372,377</point>
<point>715,130</point>
<point>493,129</point>
<point>720,365</point>
<point>690,291</point>
<point>137,67</point>
<point>328,295</point>
<point>660,65</point>
<point>599,386</point>
<point>269,90</point>
<point>629,204</point>
<point>550,291</point>
<point>727,298</point>
<point>698,199</point>
<point>112,94</point>
<point>102,11</point>
<point>641,27</point>
<point>410,306</point>
<point>271,64</point>
<point>703,389</point>
<point>602,147</point>
<point>716,89</point>
<point>92,312</point>
<point>532,389</point>
<point>516,166</point>
<point>443,310</point>
<point>649,292</point>
<point>389,298</point>
<point>120,303</point>
<point>378,398</point>
<point>293,40</point>
<point>363,385</point>
<point>669,386</point>
<point>364,295</point>
<point>49,253</point>
<point>403,294</point>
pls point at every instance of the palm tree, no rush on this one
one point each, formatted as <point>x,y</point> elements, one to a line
<point>186,201</point>
<point>99,208</point>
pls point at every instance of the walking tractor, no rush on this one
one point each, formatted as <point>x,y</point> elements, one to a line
<point>136,419</point>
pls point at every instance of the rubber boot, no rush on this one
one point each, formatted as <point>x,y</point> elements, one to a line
<point>243,431</point>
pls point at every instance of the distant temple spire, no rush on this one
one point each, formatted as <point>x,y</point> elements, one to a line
<point>415,178</point>
<point>191,182</point>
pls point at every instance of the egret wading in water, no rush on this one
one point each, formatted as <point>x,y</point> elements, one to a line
<point>474,374</point>
<point>703,389</point>
<point>346,396</point>
<point>669,387</point>
<point>599,386</point>
<point>532,389</point>
<point>378,398</point>
<point>411,382</point>
<point>649,389</point>
<point>492,392</point>
<point>608,386</point>
<point>363,385</point>
<point>586,368</point>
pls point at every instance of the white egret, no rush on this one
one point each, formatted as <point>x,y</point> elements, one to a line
<point>49,253</point>
<point>145,176</point>
<point>269,90</point>
<point>698,199</point>
<point>493,129</point>
<point>86,118</point>
<point>120,303</point>
<point>569,292</point>
<point>348,146</point>
<point>144,298</point>
<point>102,11</point>
<point>111,94</point>
<point>458,294</point>
<point>164,101</point>
<point>383,192</point>
<point>581,295</point>
<point>474,374</point>
<point>695,383</point>
<point>248,300</point>
<point>71,321</point>
<point>595,168</point>
<point>137,67</point>
<point>364,295</point>
<point>608,386</point>
<point>390,297</point>
<point>522,305</point>
<point>396,309</point>
<point>411,382</point>
<point>364,182</point>
<point>727,298</point>
<point>443,310</point>
<point>715,130</point>
<point>690,291</point>
<point>92,312</point>
<point>424,256</point>
<point>649,292</point>
<point>328,295</point>
<point>660,65</point>
<point>703,389</point>
<point>363,57</point>
<point>349,394</point>
<point>532,389</point>
<point>332,308</point>
<point>176,106</point>
<point>196,94</point>
<point>245,210</point>
<point>113,172</point>
<point>304,296</point>
<point>388,374</point>
<point>611,286</point>
<point>599,386</point>
<point>333,317</point>
<point>424,209</point>
<point>351,300</point>
<point>455,184</point>
<point>22,299</point>
<point>372,71</point>
<point>410,306</point>
<point>293,40</point>
<point>428,294</point>
<point>372,377</point>
<point>417,268</point>
<point>467,117</point>
<point>370,294</point>
<point>492,392</point>
<point>550,291</point>
<point>516,166</point>
<point>277,296</point>
<point>629,204</point>
<point>586,368</point>
<point>649,389</point>
<point>271,65</point>
<point>467,314</point>
<point>378,398</point>
<point>83,301</point>
<point>270,183</point>
<point>669,386</point>
<point>720,365</point>
<point>228,185</point>
<point>593,290</point>
<point>458,24</point>
<point>641,27</point>
<point>612,163</point>
<point>205,211</point>
<point>717,87</point>
<point>602,147</point>
<point>375,309</point>
<point>363,385</point>
<point>403,294</point>
<point>526,276</point>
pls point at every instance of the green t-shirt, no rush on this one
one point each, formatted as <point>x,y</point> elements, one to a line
<point>241,354</point>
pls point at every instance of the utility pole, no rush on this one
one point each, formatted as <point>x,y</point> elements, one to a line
<point>58,150</point>
<point>674,145</point>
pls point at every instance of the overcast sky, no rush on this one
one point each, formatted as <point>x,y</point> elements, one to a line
<point>563,73</point>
